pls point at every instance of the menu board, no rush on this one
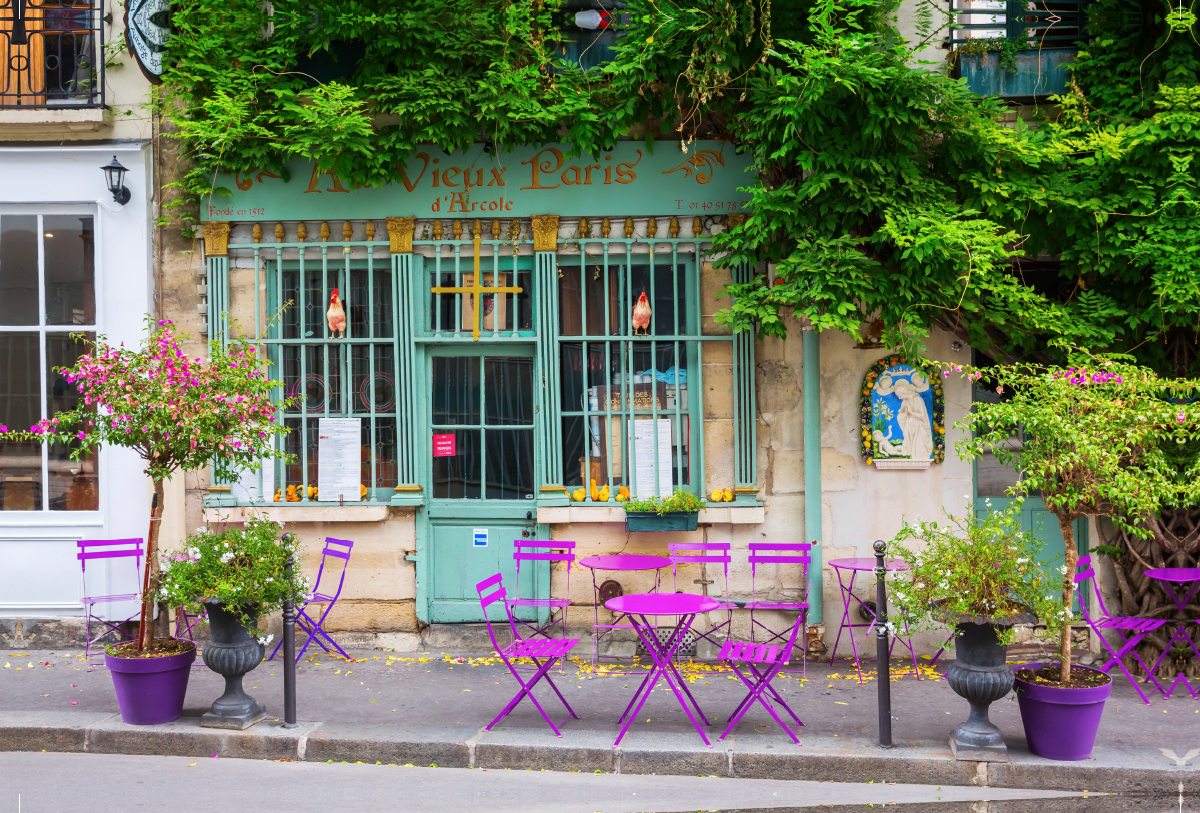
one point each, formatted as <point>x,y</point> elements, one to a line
<point>339,456</point>
<point>247,488</point>
<point>647,480</point>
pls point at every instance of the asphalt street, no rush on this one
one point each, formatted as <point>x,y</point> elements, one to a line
<point>104,783</point>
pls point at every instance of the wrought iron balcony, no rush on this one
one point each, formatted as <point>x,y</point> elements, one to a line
<point>1016,48</point>
<point>51,54</point>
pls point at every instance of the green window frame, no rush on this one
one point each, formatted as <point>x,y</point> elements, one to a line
<point>1052,24</point>
<point>616,386</point>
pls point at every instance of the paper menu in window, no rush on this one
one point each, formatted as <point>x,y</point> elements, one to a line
<point>339,458</point>
<point>246,489</point>
<point>643,442</point>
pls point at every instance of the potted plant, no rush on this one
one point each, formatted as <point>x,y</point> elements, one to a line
<point>979,575</point>
<point>677,512</point>
<point>177,413</point>
<point>1093,440</point>
<point>237,574</point>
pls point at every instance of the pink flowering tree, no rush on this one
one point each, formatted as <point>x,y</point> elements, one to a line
<point>1094,438</point>
<point>177,413</point>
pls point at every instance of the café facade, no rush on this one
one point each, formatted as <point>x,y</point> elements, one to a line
<point>529,337</point>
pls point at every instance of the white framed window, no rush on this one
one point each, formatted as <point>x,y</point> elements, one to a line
<point>47,293</point>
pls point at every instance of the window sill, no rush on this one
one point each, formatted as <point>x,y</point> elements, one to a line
<point>714,515</point>
<point>65,114</point>
<point>298,513</point>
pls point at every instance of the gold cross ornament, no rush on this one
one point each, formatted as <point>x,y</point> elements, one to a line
<point>476,289</point>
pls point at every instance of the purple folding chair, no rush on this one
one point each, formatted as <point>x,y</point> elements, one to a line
<point>762,663</point>
<point>678,553</point>
<point>780,553</point>
<point>1136,628</point>
<point>89,551</point>
<point>338,549</point>
<point>530,551</point>
<point>184,621</point>
<point>551,649</point>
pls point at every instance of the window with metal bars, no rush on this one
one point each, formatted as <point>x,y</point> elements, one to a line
<point>1035,23</point>
<point>629,370</point>
<point>331,376</point>
<point>51,53</point>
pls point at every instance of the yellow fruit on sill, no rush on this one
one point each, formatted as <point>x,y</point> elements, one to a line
<point>728,494</point>
<point>578,495</point>
<point>717,495</point>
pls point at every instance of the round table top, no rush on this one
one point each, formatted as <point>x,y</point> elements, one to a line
<point>1174,574</point>
<point>625,561</point>
<point>662,604</point>
<point>865,563</point>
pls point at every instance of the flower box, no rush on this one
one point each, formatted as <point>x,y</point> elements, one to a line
<point>669,521</point>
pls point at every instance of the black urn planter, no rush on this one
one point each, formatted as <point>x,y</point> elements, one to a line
<point>232,651</point>
<point>980,675</point>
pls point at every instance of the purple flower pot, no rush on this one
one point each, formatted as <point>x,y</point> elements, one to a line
<point>1060,723</point>
<point>151,690</point>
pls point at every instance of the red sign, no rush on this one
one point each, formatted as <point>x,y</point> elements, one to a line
<point>443,445</point>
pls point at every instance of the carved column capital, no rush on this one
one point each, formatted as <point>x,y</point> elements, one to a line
<point>216,238</point>
<point>400,234</point>
<point>736,220</point>
<point>545,232</point>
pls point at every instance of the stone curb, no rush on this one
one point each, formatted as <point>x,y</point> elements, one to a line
<point>1113,770</point>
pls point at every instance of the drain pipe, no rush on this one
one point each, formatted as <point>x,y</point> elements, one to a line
<point>812,470</point>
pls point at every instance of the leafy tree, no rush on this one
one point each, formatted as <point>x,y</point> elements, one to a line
<point>177,413</point>
<point>1095,441</point>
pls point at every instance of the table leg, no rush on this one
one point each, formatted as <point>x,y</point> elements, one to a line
<point>661,656</point>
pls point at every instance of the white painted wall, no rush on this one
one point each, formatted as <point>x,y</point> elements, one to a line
<point>39,574</point>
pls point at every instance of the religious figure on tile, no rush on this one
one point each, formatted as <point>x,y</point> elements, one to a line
<point>902,413</point>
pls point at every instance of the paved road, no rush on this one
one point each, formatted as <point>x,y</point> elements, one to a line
<point>104,783</point>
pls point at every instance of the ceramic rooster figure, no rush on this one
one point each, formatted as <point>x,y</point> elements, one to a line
<point>336,316</point>
<point>641,314</point>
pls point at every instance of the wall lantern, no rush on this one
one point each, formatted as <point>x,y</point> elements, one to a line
<point>114,175</point>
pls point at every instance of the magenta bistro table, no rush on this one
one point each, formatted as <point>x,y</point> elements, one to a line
<point>1177,575</point>
<point>854,567</point>
<point>616,562</point>
<point>637,607</point>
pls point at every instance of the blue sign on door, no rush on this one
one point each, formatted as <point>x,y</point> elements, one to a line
<point>480,535</point>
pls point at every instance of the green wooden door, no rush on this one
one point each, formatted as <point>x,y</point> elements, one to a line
<point>1036,518</point>
<point>480,473</point>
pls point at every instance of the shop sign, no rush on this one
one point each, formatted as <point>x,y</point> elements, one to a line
<point>629,180</point>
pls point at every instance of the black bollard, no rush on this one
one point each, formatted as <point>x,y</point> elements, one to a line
<point>289,653</point>
<point>882,648</point>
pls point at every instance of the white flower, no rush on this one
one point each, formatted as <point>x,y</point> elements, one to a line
<point>193,553</point>
<point>266,640</point>
<point>1022,561</point>
<point>1063,570</point>
<point>201,530</point>
<point>269,579</point>
<point>920,585</point>
<point>226,556</point>
<point>165,566</point>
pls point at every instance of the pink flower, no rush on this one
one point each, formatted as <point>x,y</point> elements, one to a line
<point>1180,417</point>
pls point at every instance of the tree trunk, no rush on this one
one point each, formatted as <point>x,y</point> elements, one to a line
<point>145,627</point>
<point>1070,559</point>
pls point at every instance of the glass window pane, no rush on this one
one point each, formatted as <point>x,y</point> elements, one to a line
<point>457,477</point>
<point>74,484</point>
<point>18,270</point>
<point>594,280</point>
<point>455,390</point>
<point>508,388</point>
<point>571,375</point>
<point>570,302</point>
<point>69,247</point>
<point>386,467</point>
<point>380,392</point>
<point>509,464</point>
<point>384,315</point>
<point>20,408</point>
<point>289,298</point>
